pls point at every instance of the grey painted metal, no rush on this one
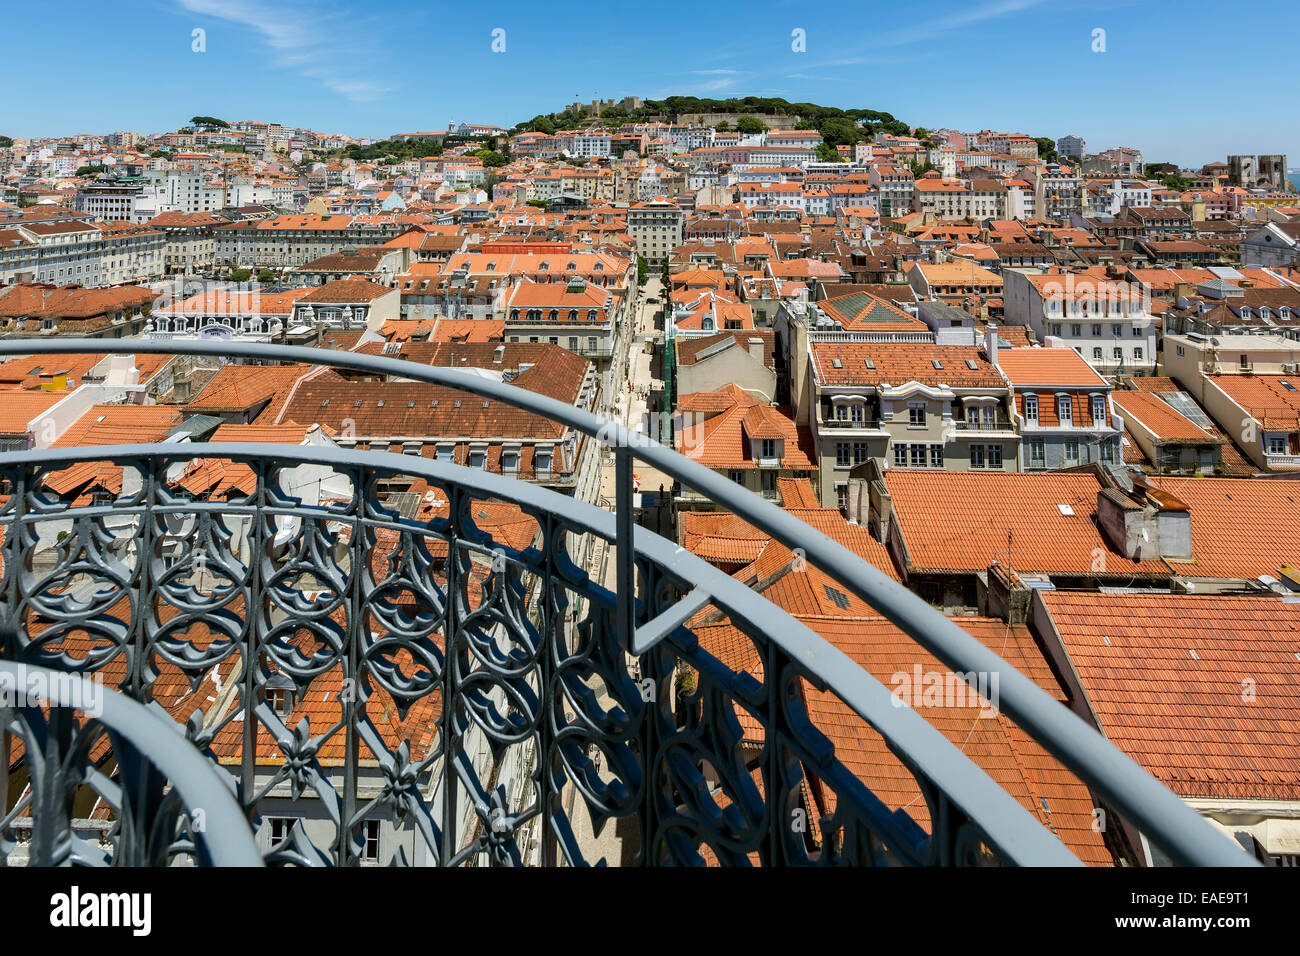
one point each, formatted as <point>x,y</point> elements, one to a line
<point>206,813</point>
<point>1165,819</point>
<point>977,809</point>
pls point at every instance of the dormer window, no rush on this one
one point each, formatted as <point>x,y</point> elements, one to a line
<point>1031,409</point>
<point>1065,409</point>
<point>1099,410</point>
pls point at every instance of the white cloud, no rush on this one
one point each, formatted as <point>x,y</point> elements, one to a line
<point>310,40</point>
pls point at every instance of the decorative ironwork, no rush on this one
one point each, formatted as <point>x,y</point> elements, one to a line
<point>377,686</point>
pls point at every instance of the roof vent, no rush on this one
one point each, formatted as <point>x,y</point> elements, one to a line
<point>1065,510</point>
<point>836,363</point>
<point>869,363</point>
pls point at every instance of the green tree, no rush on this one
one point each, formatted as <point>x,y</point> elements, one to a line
<point>209,121</point>
<point>266,276</point>
<point>491,158</point>
<point>642,270</point>
<point>240,275</point>
<point>749,126</point>
<point>89,171</point>
<point>828,153</point>
<point>5,142</point>
<point>1179,183</point>
<point>1046,148</point>
<point>724,126</point>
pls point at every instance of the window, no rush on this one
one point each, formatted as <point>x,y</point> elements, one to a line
<point>769,482</point>
<point>859,452</point>
<point>478,458</point>
<point>918,456</point>
<point>1277,444</point>
<point>1037,453</point>
<point>900,455</point>
<point>842,495</point>
<point>738,477</point>
<point>936,456</point>
<point>510,460</point>
<point>841,413</point>
<point>1072,451</point>
<point>994,453</point>
<point>1064,409</point>
<point>1098,410</point>
<point>1056,328</point>
<point>1096,329</point>
<point>1096,354</point>
<point>916,415</point>
<point>278,830</point>
<point>1076,330</point>
<point>767,448</point>
<point>856,410</point>
<point>977,456</point>
<point>370,838</point>
<point>842,454</point>
<point>280,698</point>
<point>1137,355</point>
<point>1031,409</point>
<point>1107,451</point>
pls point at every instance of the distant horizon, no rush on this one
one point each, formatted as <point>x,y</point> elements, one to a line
<point>338,67</point>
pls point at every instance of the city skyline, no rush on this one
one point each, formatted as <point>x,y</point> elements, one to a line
<point>338,68</point>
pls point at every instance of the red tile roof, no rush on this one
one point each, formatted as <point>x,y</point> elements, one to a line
<point>1224,723</point>
<point>959,521</point>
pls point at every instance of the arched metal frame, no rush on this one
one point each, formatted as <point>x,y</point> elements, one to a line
<point>522,670</point>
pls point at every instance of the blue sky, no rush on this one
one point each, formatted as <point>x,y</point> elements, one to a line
<point>1170,81</point>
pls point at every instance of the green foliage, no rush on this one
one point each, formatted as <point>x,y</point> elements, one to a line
<point>89,171</point>
<point>209,121</point>
<point>492,158</point>
<point>920,169</point>
<point>5,142</point>
<point>266,276</point>
<point>539,203</point>
<point>749,125</point>
<point>642,270</point>
<point>724,126</point>
<point>1180,183</point>
<point>389,151</point>
<point>160,152</point>
<point>828,154</point>
<point>1046,148</point>
<point>240,275</point>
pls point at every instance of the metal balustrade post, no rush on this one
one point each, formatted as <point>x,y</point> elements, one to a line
<point>625,573</point>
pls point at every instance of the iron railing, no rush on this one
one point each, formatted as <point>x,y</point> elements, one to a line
<point>478,701</point>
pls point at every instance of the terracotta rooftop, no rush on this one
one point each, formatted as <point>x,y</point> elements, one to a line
<point>959,521</point>
<point>1197,688</point>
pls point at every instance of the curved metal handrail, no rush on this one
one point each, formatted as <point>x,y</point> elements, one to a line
<point>224,838</point>
<point>1009,826</point>
<point>1164,818</point>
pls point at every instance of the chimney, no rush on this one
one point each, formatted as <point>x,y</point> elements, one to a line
<point>991,343</point>
<point>756,350</point>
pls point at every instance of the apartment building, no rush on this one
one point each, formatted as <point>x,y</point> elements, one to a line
<point>580,317</point>
<point>656,228</point>
<point>1063,409</point>
<point>1105,320</point>
<point>907,405</point>
<point>296,240</point>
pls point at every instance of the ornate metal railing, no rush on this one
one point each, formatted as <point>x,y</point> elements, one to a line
<point>376,685</point>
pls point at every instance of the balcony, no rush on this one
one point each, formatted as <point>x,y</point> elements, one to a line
<point>278,673</point>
